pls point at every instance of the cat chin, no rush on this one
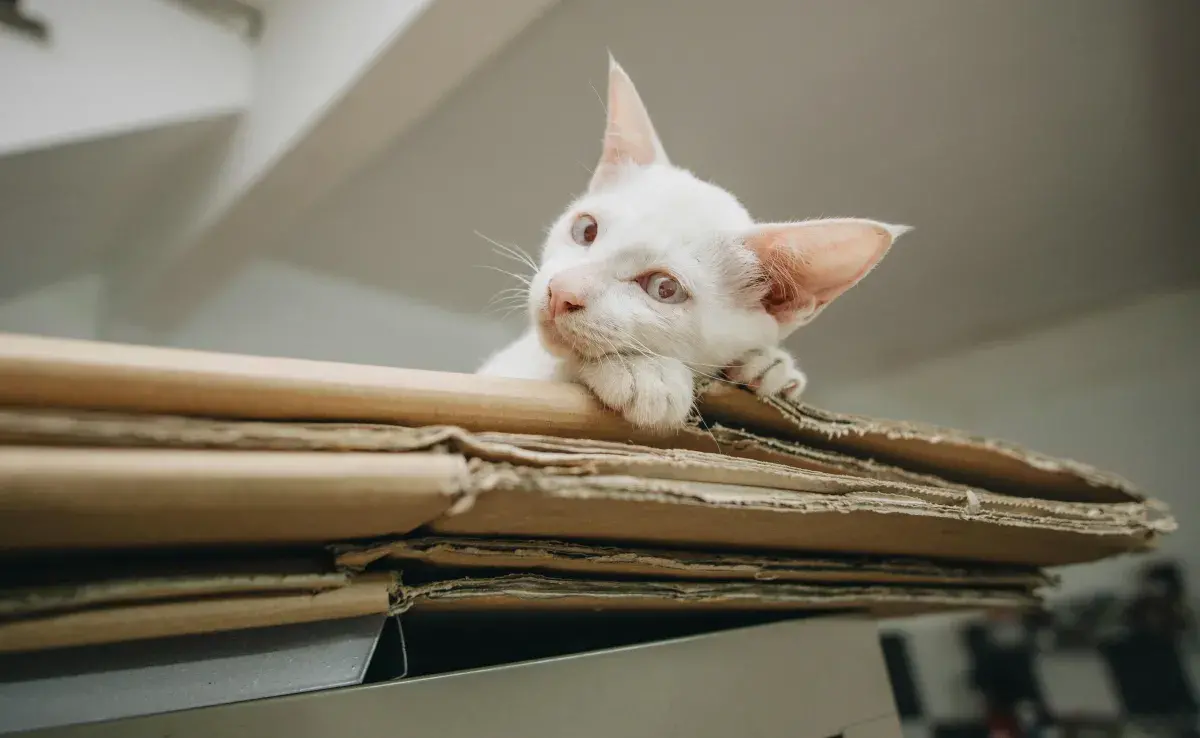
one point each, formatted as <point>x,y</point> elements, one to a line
<point>554,342</point>
<point>566,346</point>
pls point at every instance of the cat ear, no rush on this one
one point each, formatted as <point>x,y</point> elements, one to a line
<point>806,265</point>
<point>629,137</point>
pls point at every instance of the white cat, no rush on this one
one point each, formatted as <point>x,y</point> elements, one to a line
<point>654,277</point>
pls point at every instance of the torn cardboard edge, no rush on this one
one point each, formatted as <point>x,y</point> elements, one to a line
<point>605,562</point>
<point>955,455</point>
<point>545,594</point>
<point>71,498</point>
<point>521,502</point>
<point>95,428</point>
<point>562,456</point>
<point>147,620</point>
<point>59,373</point>
<point>136,610</point>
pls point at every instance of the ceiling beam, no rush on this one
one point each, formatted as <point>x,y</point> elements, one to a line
<point>336,85</point>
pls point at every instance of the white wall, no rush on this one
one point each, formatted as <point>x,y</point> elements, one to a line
<point>65,309</point>
<point>275,309</point>
<point>113,66</point>
<point>1119,389</point>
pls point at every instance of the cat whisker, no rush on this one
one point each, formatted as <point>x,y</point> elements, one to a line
<point>511,299</point>
<point>654,354</point>
<point>524,280</point>
<point>511,293</point>
<point>502,314</point>
<point>610,341</point>
<point>505,307</point>
<point>616,339</point>
<point>511,251</point>
<point>650,354</point>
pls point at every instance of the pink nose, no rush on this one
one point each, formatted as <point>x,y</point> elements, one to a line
<point>563,300</point>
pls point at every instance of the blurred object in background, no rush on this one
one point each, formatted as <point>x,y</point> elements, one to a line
<point>1160,607</point>
<point>1147,661</point>
<point>1002,650</point>
<point>1108,664</point>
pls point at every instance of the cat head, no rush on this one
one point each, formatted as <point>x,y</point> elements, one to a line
<point>652,260</point>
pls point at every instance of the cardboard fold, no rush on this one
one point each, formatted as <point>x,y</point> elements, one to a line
<point>121,591</point>
<point>945,452</point>
<point>146,620</point>
<point>546,594</point>
<point>512,485</point>
<point>57,373</point>
<point>67,498</point>
<point>92,429</point>
<point>927,524</point>
<point>562,558</point>
<point>105,429</point>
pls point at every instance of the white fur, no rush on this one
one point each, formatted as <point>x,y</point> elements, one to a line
<point>638,355</point>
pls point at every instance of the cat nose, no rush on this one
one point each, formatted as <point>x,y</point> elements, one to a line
<point>562,299</point>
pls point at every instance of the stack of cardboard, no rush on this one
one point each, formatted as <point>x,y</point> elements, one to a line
<point>149,492</point>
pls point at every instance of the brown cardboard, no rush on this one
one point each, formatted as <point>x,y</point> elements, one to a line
<point>528,593</point>
<point>126,590</point>
<point>61,498</point>
<point>54,373</point>
<point>951,454</point>
<point>88,428</point>
<point>144,620</point>
<point>42,427</point>
<point>561,558</point>
<point>865,516</point>
<point>513,485</point>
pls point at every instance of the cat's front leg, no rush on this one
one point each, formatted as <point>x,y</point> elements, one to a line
<point>770,372</point>
<point>650,392</point>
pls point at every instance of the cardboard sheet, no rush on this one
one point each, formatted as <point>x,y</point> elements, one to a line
<point>65,498</point>
<point>120,591</point>
<point>54,373</point>
<point>145,620</point>
<point>512,485</point>
<point>561,558</point>
<point>42,427</point>
<point>541,594</point>
<point>862,517</point>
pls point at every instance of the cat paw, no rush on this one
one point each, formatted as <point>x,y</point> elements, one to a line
<point>770,373</point>
<point>650,393</point>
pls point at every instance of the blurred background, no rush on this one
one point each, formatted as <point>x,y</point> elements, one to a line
<point>306,178</point>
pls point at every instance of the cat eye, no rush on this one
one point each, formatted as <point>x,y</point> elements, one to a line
<point>584,230</point>
<point>663,287</point>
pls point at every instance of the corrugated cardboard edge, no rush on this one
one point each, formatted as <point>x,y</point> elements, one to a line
<point>948,453</point>
<point>367,596</point>
<point>535,593</point>
<point>93,428</point>
<point>521,502</point>
<point>601,562</point>
<point>85,595</point>
<point>77,498</point>
<point>815,492</point>
<point>563,456</point>
<point>61,373</point>
<point>101,498</point>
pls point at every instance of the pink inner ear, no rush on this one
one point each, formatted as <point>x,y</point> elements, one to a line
<point>807,265</point>
<point>629,137</point>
